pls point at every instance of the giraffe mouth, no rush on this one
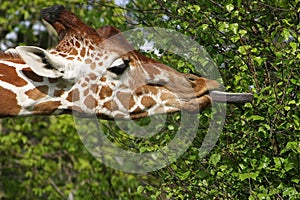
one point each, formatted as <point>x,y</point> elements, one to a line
<point>202,87</point>
<point>186,92</point>
<point>204,94</point>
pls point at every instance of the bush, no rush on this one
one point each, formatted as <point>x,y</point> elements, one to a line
<point>256,45</point>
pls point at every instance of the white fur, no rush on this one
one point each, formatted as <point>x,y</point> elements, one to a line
<point>60,66</point>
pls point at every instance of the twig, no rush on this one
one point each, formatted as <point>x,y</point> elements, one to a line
<point>57,189</point>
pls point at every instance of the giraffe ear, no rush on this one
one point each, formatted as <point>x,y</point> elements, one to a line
<point>40,61</point>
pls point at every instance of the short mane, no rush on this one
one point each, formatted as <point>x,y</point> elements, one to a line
<point>11,56</point>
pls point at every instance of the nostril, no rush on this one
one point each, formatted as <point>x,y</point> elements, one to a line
<point>192,77</point>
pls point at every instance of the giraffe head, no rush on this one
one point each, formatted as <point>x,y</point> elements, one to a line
<point>108,77</point>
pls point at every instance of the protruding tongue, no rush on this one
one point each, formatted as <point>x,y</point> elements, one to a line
<point>227,97</point>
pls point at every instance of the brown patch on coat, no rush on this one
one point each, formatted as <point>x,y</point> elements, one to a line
<point>92,76</point>
<point>148,101</point>
<point>167,96</point>
<point>58,93</point>
<point>38,92</point>
<point>73,52</point>
<point>126,99</point>
<point>9,75</point>
<point>86,92</point>
<point>31,75</point>
<point>93,65</point>
<point>46,108</point>
<point>138,115</point>
<point>103,79</point>
<point>94,88</point>
<point>90,102</point>
<point>105,91</point>
<point>88,61</point>
<point>82,52</point>
<point>74,95</point>
<point>146,89</point>
<point>9,104</point>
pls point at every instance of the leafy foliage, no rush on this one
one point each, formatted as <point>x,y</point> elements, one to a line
<point>256,45</point>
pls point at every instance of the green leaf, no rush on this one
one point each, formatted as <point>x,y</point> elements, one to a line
<point>259,60</point>
<point>140,189</point>
<point>294,146</point>
<point>257,118</point>
<point>171,127</point>
<point>234,27</point>
<point>242,32</point>
<point>252,175</point>
<point>278,162</point>
<point>248,105</point>
<point>244,50</point>
<point>229,7</point>
<point>83,164</point>
<point>296,180</point>
<point>214,159</point>
<point>286,34</point>
<point>264,162</point>
<point>288,192</point>
<point>184,176</point>
<point>287,108</point>
<point>197,8</point>
<point>292,102</point>
<point>204,26</point>
<point>294,46</point>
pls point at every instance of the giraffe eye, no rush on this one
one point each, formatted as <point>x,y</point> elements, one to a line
<point>119,67</point>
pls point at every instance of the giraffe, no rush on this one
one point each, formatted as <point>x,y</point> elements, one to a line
<point>93,72</point>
